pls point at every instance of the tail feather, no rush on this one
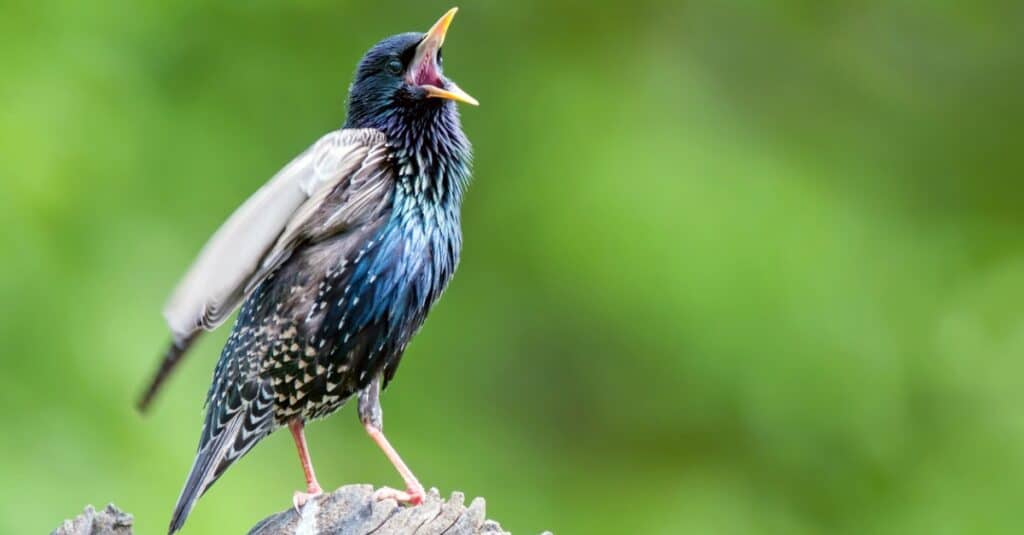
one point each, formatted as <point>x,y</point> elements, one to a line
<point>236,433</point>
<point>177,349</point>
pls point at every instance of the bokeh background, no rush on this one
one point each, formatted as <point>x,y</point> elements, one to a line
<point>730,267</point>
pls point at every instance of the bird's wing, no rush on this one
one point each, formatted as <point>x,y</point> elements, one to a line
<point>351,201</point>
<point>260,233</point>
<point>341,181</point>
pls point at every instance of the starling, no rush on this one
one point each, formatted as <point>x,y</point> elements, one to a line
<point>336,262</point>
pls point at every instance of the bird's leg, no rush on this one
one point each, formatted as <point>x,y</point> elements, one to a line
<point>296,426</point>
<point>413,493</point>
<point>372,417</point>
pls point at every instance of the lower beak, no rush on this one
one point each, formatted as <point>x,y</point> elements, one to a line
<point>453,92</point>
<point>425,60</point>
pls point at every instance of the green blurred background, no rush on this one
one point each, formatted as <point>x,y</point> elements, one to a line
<point>730,267</point>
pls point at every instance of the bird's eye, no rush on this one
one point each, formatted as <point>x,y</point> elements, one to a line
<point>439,62</point>
<point>394,66</point>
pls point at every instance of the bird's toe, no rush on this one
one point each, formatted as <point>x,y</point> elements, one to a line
<point>300,499</point>
<point>411,496</point>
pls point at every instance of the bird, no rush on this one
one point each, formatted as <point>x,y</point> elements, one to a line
<point>334,264</point>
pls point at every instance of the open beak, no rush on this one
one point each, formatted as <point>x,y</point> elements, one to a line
<point>426,73</point>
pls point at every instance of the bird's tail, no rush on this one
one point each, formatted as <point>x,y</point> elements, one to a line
<point>227,435</point>
<point>177,349</point>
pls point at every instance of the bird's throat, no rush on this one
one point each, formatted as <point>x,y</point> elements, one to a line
<point>432,156</point>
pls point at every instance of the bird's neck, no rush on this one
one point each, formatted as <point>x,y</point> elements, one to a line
<point>431,156</point>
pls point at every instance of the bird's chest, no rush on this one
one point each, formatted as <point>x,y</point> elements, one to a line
<point>381,296</point>
<point>403,270</point>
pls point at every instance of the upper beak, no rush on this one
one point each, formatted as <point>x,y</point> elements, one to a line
<point>426,58</point>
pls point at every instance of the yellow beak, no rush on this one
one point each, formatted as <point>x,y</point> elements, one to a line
<point>427,51</point>
<point>435,35</point>
<point>453,92</point>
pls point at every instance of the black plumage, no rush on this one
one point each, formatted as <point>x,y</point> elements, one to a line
<point>337,260</point>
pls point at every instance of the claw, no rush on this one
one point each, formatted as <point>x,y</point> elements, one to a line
<point>410,496</point>
<point>299,499</point>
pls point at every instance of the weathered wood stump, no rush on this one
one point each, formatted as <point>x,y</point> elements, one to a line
<point>350,510</point>
<point>110,521</point>
<point>353,510</point>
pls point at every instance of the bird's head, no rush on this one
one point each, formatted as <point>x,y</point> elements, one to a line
<point>402,76</point>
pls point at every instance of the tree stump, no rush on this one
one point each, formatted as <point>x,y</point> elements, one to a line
<point>110,521</point>
<point>350,510</point>
<point>353,510</point>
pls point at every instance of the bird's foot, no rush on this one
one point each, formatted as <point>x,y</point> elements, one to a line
<point>300,498</point>
<point>411,496</point>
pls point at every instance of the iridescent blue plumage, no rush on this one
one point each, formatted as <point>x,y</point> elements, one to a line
<point>334,302</point>
<point>412,258</point>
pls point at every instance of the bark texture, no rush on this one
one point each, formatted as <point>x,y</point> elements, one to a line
<point>110,521</point>
<point>353,510</point>
<point>350,510</point>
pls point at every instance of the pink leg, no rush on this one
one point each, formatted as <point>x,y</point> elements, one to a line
<point>414,491</point>
<point>312,487</point>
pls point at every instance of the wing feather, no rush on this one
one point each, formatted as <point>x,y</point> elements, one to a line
<point>349,203</point>
<point>261,232</point>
